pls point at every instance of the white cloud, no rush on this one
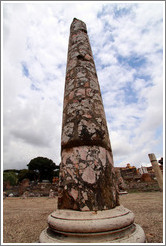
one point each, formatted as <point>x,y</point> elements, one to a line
<point>36,35</point>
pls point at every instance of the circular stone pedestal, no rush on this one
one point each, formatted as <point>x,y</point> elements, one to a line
<point>108,226</point>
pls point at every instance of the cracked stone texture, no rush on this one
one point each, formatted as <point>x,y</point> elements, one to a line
<point>87,178</point>
<point>84,118</point>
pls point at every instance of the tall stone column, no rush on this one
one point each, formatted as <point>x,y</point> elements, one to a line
<point>88,204</point>
<point>87,177</point>
<point>157,170</point>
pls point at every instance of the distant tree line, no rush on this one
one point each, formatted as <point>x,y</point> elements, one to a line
<point>39,168</point>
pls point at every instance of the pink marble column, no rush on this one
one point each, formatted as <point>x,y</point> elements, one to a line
<point>87,176</point>
<point>88,205</point>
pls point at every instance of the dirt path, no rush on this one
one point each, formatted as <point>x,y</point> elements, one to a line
<point>24,219</point>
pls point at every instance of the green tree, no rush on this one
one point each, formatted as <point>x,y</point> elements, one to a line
<point>27,174</point>
<point>43,167</point>
<point>12,177</point>
<point>12,170</point>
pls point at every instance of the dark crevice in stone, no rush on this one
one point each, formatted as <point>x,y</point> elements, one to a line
<point>83,30</point>
<point>85,142</point>
<point>80,57</point>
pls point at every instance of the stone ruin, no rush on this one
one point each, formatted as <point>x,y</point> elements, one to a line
<point>157,170</point>
<point>88,202</point>
<point>27,188</point>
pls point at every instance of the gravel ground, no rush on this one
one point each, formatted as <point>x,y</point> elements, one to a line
<point>148,210</point>
<point>24,219</point>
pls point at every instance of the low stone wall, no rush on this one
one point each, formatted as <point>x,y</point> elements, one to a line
<point>41,189</point>
<point>45,189</point>
<point>134,186</point>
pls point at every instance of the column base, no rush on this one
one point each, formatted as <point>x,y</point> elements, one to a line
<point>107,226</point>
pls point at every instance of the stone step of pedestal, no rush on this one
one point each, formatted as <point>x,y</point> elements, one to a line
<point>113,233</point>
<point>100,226</point>
<point>132,234</point>
<point>70,221</point>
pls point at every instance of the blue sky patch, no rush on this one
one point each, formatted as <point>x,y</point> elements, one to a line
<point>22,96</point>
<point>147,79</point>
<point>132,61</point>
<point>103,11</point>
<point>144,77</point>
<point>34,88</point>
<point>159,131</point>
<point>119,12</point>
<point>25,69</point>
<point>130,95</point>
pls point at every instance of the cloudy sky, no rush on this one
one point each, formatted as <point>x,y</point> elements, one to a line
<point>127,44</point>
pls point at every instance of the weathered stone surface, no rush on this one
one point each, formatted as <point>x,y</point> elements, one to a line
<point>157,170</point>
<point>131,235</point>
<point>89,171</point>
<point>85,222</point>
<point>89,175</point>
<point>87,178</point>
<point>82,98</point>
<point>109,226</point>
